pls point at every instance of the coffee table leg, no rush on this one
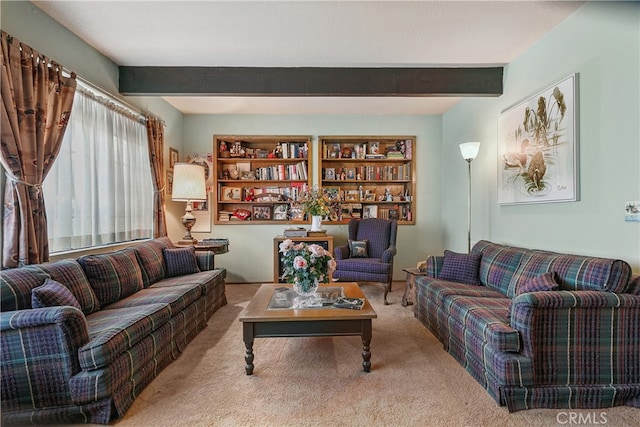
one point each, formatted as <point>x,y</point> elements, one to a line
<point>366,350</point>
<point>248,343</point>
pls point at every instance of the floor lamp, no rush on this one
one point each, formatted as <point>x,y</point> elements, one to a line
<point>188,185</point>
<point>469,151</point>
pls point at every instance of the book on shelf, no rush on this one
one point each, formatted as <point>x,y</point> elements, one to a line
<point>295,232</point>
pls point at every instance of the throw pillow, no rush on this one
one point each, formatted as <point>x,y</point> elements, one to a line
<point>542,282</point>
<point>52,294</point>
<point>359,248</point>
<point>462,268</point>
<point>180,261</point>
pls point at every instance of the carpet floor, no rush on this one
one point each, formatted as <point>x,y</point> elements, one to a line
<point>319,381</point>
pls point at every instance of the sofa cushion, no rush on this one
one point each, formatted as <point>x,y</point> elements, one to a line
<point>151,259</point>
<point>16,285</point>
<point>207,280</point>
<point>363,265</point>
<point>180,261</point>
<point>113,275</point>
<point>359,248</point>
<point>498,264</point>
<point>112,332</point>
<point>178,297</point>
<point>52,294</point>
<point>576,272</point>
<point>70,273</point>
<point>485,318</point>
<point>543,282</point>
<point>462,268</point>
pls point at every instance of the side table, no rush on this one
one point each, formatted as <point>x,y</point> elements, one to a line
<point>409,296</point>
<point>217,249</point>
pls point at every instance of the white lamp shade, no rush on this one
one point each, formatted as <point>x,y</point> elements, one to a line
<point>469,150</point>
<point>188,182</point>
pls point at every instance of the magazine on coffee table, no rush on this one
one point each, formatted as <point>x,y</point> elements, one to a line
<point>284,298</point>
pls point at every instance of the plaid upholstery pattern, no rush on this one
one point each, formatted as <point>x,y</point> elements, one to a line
<point>181,261</point>
<point>70,273</point>
<point>113,275</point>
<point>16,285</point>
<point>151,260</point>
<point>52,294</point>
<point>205,260</point>
<point>114,331</point>
<point>31,379</point>
<point>59,366</point>
<point>576,348</point>
<point>462,268</point>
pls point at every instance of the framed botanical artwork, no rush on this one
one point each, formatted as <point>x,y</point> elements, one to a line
<point>169,182</point>
<point>538,147</point>
<point>280,211</point>
<point>261,212</point>
<point>174,157</point>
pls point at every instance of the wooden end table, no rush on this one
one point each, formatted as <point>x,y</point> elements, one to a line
<point>258,321</point>
<point>409,296</point>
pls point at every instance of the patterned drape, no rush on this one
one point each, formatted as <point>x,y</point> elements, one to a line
<point>155,133</point>
<point>36,105</point>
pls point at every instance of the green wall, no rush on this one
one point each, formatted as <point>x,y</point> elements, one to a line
<point>601,43</point>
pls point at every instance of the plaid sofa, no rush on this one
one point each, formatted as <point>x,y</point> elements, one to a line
<point>575,347</point>
<point>63,364</point>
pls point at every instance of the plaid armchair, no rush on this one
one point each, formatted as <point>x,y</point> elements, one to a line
<point>375,260</point>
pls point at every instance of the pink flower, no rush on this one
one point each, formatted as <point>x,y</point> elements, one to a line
<point>299,263</point>
<point>317,250</point>
<point>286,245</point>
<point>332,264</point>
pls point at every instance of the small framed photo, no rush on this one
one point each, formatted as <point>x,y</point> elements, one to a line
<point>174,157</point>
<point>169,184</point>
<point>231,194</point>
<point>370,197</point>
<point>374,147</point>
<point>351,173</point>
<point>370,211</point>
<point>329,174</point>
<point>280,212</point>
<point>261,212</point>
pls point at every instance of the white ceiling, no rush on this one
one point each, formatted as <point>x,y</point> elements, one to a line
<point>310,33</point>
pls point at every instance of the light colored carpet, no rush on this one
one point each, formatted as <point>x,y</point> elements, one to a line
<point>320,382</point>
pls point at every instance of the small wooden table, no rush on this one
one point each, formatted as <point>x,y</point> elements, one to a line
<point>409,296</point>
<point>260,322</point>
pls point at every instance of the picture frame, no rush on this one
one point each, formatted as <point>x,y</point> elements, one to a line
<point>174,157</point>
<point>329,174</point>
<point>370,211</point>
<point>261,212</point>
<point>538,147</point>
<point>281,212</point>
<point>231,194</point>
<point>169,182</point>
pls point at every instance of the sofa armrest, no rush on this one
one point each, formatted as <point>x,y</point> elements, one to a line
<point>575,336</point>
<point>40,355</point>
<point>205,260</point>
<point>634,285</point>
<point>388,254</point>
<point>341,252</point>
<point>434,265</point>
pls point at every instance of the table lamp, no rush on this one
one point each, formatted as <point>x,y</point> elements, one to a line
<point>188,185</point>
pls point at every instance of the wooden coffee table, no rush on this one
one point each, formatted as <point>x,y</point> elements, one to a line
<point>258,321</point>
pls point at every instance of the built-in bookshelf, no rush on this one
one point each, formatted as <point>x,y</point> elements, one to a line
<point>369,176</point>
<point>257,178</point>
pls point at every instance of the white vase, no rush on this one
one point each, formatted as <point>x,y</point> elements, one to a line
<point>316,223</point>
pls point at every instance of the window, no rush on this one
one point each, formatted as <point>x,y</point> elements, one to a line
<point>99,189</point>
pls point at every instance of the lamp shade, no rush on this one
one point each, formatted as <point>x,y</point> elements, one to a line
<point>188,182</point>
<point>469,150</point>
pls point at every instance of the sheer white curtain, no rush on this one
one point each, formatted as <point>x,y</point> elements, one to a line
<point>99,190</point>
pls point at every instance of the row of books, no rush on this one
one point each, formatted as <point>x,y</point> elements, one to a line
<point>295,172</point>
<point>368,173</point>
<point>272,193</point>
<point>294,150</point>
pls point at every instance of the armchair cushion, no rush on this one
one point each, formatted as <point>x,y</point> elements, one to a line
<point>463,268</point>
<point>359,248</point>
<point>52,294</point>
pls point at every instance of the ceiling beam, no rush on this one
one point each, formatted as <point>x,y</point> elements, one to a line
<point>310,81</point>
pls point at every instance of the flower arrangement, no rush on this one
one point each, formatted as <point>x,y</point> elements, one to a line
<point>306,264</point>
<point>315,203</point>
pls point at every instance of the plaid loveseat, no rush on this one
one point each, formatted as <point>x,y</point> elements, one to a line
<point>573,347</point>
<point>86,362</point>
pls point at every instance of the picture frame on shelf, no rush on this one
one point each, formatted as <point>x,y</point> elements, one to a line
<point>231,194</point>
<point>281,212</point>
<point>329,174</point>
<point>174,157</point>
<point>261,212</point>
<point>369,211</point>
